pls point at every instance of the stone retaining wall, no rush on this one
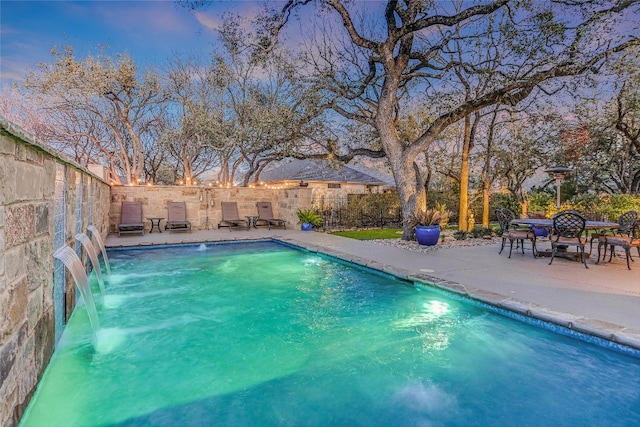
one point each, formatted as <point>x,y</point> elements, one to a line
<point>36,184</point>
<point>285,202</point>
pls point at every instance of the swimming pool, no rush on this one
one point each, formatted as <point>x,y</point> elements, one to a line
<point>262,334</point>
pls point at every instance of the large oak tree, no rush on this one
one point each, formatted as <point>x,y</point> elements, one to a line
<point>367,61</point>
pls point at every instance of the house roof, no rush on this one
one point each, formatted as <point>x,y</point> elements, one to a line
<point>320,170</point>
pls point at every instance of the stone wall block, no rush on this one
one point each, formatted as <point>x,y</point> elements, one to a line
<point>34,156</point>
<point>42,218</point>
<point>38,255</point>
<point>2,255</point>
<point>7,145</point>
<point>14,265</point>
<point>34,309</point>
<point>21,152</point>
<point>28,181</point>
<point>7,180</point>
<point>43,341</point>
<point>19,224</point>
<point>8,356</point>
<point>8,388</point>
<point>8,401</point>
<point>14,303</point>
<point>49,179</point>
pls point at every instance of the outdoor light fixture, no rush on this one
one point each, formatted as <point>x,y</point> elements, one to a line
<point>558,173</point>
<point>206,196</point>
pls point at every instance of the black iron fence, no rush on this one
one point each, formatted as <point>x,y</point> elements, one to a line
<point>359,211</point>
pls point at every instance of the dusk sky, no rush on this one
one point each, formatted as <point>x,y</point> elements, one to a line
<point>149,31</point>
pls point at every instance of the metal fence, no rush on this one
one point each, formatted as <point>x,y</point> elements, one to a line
<point>359,211</point>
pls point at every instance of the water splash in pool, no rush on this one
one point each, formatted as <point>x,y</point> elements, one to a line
<point>91,251</point>
<point>75,267</point>
<point>96,235</point>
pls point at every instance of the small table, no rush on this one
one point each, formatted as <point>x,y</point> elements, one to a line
<point>251,220</point>
<point>155,222</point>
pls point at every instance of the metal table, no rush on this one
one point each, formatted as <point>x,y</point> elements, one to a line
<point>155,222</point>
<point>548,224</point>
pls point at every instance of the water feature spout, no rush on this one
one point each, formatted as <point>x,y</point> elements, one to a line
<point>96,235</point>
<point>74,265</point>
<point>91,251</point>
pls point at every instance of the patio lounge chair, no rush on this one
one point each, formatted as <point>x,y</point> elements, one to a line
<point>568,230</point>
<point>230,217</point>
<point>131,218</point>
<point>177,217</point>
<point>265,216</point>
<point>512,233</point>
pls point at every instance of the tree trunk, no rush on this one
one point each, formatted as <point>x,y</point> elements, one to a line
<point>485,204</point>
<point>464,177</point>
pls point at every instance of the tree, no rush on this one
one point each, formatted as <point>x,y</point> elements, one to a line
<point>368,66</point>
<point>102,106</point>
<point>194,90</point>
<point>521,148</point>
<point>611,159</point>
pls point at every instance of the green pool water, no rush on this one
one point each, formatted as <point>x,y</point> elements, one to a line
<point>261,334</point>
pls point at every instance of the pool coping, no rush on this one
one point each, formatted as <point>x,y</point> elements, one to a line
<point>592,327</point>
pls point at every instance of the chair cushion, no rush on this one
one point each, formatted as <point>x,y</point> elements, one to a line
<point>622,241</point>
<point>521,234</point>
<point>571,241</point>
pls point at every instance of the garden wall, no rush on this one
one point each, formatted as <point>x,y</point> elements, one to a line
<point>285,202</point>
<point>45,199</point>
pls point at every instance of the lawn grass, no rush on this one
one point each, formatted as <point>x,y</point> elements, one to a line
<point>378,233</point>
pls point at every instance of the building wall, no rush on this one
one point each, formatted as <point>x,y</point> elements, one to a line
<point>285,202</point>
<point>35,185</point>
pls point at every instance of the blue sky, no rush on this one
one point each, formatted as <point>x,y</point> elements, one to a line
<point>149,31</point>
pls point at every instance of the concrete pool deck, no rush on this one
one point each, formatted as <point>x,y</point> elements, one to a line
<point>603,300</point>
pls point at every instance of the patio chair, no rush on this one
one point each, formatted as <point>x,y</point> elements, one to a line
<point>230,217</point>
<point>131,218</point>
<point>512,233</point>
<point>265,216</point>
<point>626,222</point>
<point>177,217</point>
<point>626,242</point>
<point>568,230</point>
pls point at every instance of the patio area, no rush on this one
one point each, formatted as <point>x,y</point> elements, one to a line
<point>603,300</point>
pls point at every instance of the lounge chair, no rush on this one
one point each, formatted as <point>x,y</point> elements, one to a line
<point>265,216</point>
<point>131,218</point>
<point>230,217</point>
<point>177,217</point>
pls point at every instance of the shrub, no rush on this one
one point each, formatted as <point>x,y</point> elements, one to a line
<point>460,235</point>
<point>308,215</point>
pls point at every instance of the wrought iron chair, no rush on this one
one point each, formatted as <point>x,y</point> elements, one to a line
<point>626,223</point>
<point>568,230</point>
<point>508,231</point>
<point>626,242</point>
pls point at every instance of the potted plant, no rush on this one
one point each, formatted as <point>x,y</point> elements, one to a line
<point>426,225</point>
<point>309,219</point>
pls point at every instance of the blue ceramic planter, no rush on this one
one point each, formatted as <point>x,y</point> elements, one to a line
<point>306,226</point>
<point>427,235</point>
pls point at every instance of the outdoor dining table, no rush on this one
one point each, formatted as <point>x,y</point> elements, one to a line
<point>548,224</point>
